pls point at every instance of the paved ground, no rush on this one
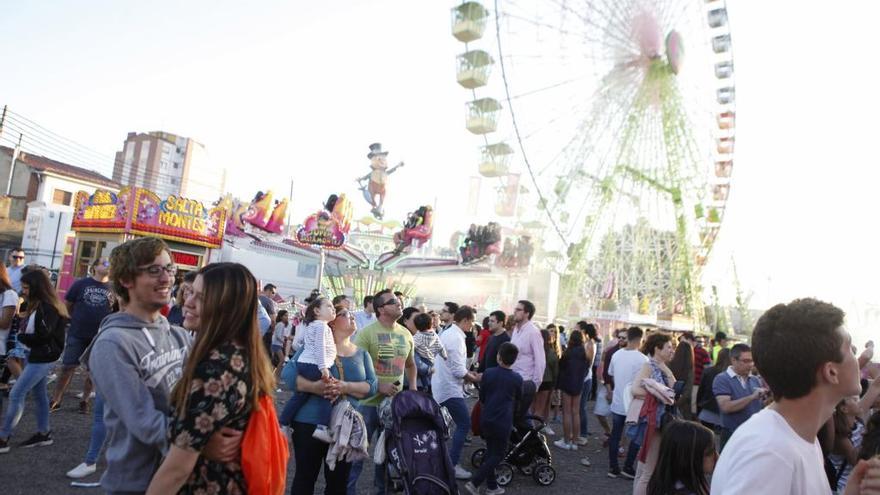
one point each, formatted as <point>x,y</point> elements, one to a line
<point>41,470</point>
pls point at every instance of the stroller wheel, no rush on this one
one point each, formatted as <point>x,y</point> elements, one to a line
<point>477,458</point>
<point>504,474</point>
<point>544,475</point>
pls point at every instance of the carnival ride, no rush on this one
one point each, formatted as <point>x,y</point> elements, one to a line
<point>622,113</point>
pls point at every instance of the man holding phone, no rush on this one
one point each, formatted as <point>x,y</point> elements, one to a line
<point>390,346</point>
<point>739,394</point>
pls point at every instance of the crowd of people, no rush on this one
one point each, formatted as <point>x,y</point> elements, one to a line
<point>178,368</point>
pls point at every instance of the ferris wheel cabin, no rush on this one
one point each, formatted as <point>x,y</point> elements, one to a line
<point>717,17</point>
<point>474,68</point>
<point>496,160</point>
<point>723,169</point>
<point>469,21</point>
<point>482,116</point>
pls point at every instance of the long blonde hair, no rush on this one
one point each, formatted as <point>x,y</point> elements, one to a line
<point>229,314</point>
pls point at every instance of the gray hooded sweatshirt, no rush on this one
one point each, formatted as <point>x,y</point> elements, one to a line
<point>134,365</point>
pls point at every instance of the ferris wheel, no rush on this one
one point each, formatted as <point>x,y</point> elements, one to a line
<point>620,116</point>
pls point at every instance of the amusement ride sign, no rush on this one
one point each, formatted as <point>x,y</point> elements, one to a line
<point>140,211</point>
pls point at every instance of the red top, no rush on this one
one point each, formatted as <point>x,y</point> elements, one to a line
<point>485,335</point>
<point>701,359</point>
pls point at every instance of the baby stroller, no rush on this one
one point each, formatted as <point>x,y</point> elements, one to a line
<point>415,447</point>
<point>528,453</point>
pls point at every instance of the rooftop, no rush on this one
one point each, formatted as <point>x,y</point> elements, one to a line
<point>43,164</point>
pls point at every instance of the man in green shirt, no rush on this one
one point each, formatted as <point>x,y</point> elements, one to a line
<point>390,345</point>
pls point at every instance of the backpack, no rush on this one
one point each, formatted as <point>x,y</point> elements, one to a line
<point>264,452</point>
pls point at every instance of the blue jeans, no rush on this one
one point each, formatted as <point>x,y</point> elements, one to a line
<point>371,418</point>
<point>459,412</point>
<point>585,396</point>
<point>33,378</point>
<point>99,432</point>
<point>614,444</point>
<point>298,399</point>
<point>496,448</point>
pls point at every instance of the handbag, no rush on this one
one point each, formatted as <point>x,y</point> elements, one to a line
<point>264,452</point>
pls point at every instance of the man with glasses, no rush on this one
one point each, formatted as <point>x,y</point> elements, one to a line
<point>390,345</point>
<point>135,360</point>
<point>16,264</point>
<point>738,392</point>
<point>88,301</point>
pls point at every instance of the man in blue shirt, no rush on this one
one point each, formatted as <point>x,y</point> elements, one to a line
<point>88,300</point>
<point>739,394</point>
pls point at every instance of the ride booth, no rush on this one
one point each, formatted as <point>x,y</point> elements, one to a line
<point>103,220</point>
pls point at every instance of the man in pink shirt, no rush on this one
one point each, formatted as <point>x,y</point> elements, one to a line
<point>530,361</point>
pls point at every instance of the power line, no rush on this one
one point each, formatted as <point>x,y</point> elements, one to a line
<point>41,148</point>
<point>41,139</point>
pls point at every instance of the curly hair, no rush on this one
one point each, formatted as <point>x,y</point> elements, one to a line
<point>126,258</point>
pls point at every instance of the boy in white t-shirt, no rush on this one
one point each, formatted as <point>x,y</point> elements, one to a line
<point>804,354</point>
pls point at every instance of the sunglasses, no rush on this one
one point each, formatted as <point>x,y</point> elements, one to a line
<point>18,257</point>
<point>389,302</point>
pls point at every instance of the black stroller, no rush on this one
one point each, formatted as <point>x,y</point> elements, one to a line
<point>528,453</point>
<point>415,447</point>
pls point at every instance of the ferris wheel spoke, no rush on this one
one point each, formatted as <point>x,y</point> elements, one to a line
<point>593,129</point>
<point>611,30</point>
<point>616,14</point>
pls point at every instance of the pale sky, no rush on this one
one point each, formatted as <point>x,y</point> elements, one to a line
<point>298,90</point>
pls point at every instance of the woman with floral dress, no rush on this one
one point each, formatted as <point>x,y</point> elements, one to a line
<point>225,374</point>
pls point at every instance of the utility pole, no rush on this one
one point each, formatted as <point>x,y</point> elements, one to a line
<point>3,120</point>
<point>15,153</point>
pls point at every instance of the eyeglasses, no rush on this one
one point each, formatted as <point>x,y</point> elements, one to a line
<point>390,302</point>
<point>156,270</point>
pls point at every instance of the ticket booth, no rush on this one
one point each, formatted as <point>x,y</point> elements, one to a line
<point>103,220</point>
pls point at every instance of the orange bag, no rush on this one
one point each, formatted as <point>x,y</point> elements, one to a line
<point>264,451</point>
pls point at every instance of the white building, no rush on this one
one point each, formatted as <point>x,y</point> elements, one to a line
<point>41,195</point>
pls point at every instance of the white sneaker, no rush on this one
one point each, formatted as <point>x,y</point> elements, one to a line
<point>81,471</point>
<point>585,462</point>
<point>572,446</point>
<point>322,433</point>
<point>462,473</point>
<point>80,395</point>
<point>582,441</point>
<point>497,491</point>
<point>562,444</point>
<point>549,431</point>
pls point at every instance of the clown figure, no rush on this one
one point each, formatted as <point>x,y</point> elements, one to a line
<point>377,180</point>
